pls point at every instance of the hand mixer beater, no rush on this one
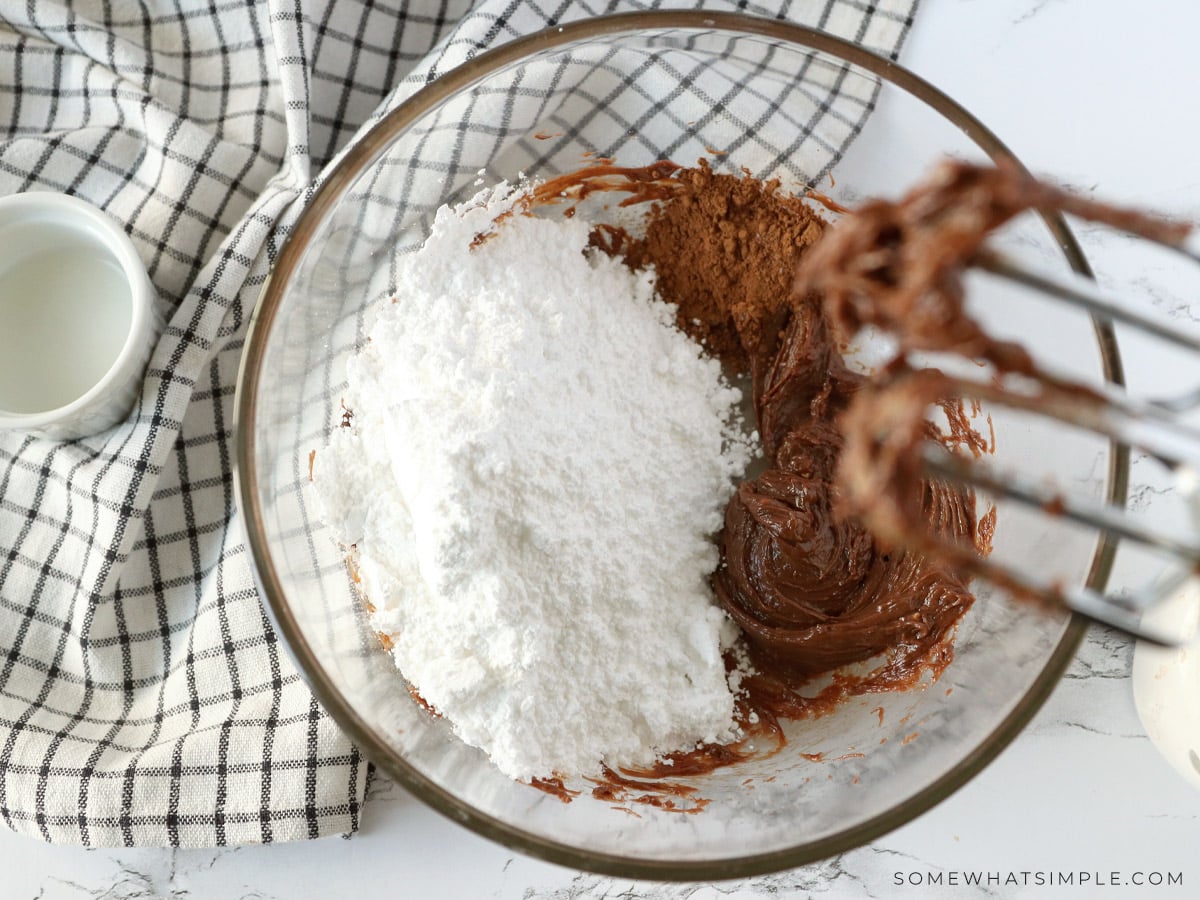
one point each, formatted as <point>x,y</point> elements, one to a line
<point>899,267</point>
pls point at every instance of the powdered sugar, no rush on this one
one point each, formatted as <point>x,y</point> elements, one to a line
<point>537,463</point>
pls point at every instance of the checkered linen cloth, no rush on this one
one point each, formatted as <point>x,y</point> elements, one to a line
<point>144,697</point>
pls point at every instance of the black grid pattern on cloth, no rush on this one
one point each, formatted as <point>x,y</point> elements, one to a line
<point>144,697</point>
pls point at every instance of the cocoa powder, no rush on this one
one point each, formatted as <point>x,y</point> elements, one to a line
<point>725,249</point>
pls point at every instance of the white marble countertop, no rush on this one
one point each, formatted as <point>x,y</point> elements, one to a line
<point>1102,97</point>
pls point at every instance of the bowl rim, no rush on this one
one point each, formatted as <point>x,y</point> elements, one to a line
<point>368,149</point>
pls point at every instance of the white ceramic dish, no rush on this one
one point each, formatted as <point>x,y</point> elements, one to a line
<point>1166,685</point>
<point>77,317</point>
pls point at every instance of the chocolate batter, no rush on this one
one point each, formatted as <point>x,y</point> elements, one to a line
<point>885,433</point>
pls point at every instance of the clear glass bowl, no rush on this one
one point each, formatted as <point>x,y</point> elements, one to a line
<point>640,88</point>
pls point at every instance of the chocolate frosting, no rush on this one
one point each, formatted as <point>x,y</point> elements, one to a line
<point>810,587</point>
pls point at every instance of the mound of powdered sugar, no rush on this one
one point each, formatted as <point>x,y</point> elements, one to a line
<point>536,464</point>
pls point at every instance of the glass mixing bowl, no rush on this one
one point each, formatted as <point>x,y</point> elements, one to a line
<point>749,94</point>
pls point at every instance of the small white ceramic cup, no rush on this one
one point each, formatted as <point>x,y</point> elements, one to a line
<point>77,317</point>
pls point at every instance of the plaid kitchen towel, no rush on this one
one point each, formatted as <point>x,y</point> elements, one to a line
<point>144,697</point>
